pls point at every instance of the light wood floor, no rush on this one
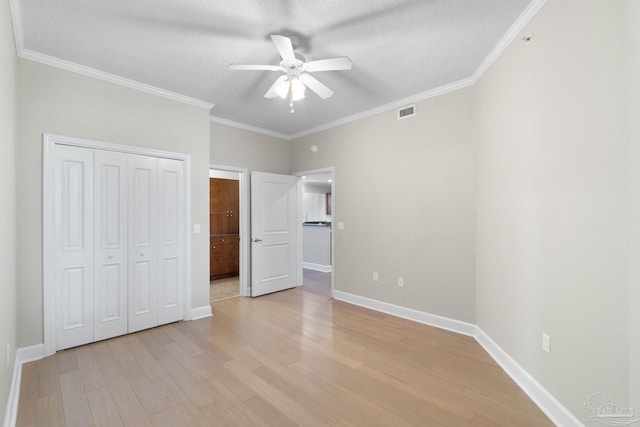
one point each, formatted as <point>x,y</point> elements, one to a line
<point>285,359</point>
<point>316,281</point>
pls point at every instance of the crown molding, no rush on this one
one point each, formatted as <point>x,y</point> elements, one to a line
<point>254,129</point>
<point>16,18</point>
<point>112,78</point>
<point>525,17</point>
<point>460,84</point>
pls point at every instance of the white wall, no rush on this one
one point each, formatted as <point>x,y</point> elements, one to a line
<point>8,142</point>
<point>405,192</point>
<point>241,148</point>
<point>60,102</point>
<point>553,169</point>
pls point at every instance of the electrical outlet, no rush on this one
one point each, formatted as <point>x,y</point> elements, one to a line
<point>375,276</point>
<point>400,281</point>
<point>546,343</point>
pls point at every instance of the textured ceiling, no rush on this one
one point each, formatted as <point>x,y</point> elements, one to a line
<point>399,48</point>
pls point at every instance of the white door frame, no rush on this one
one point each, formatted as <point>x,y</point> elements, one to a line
<point>331,169</point>
<point>245,261</point>
<point>48,202</point>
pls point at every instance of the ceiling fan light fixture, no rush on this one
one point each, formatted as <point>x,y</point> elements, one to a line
<point>294,85</point>
<point>282,90</point>
<point>297,77</point>
<point>297,89</point>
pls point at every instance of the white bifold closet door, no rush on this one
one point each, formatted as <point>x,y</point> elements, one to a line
<point>120,252</point>
<point>155,242</point>
<point>73,213</point>
<point>110,243</point>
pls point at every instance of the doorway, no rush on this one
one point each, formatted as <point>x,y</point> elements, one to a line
<point>226,213</point>
<point>317,188</point>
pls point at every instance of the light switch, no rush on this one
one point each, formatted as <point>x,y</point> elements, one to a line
<point>196,228</point>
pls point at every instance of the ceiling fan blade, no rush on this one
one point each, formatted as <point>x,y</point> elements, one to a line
<point>271,93</point>
<point>315,85</point>
<point>243,67</point>
<point>331,64</point>
<point>283,44</point>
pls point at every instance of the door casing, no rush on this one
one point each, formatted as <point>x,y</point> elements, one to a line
<point>333,225</point>
<point>245,261</point>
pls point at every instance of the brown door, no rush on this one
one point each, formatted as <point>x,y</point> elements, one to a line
<point>224,207</point>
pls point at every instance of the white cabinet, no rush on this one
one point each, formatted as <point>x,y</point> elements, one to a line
<point>119,233</point>
<point>316,247</point>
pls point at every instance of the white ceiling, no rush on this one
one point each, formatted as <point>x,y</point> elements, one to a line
<point>399,48</point>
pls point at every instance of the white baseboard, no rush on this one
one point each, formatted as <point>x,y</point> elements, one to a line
<point>441,322</point>
<point>317,267</point>
<point>201,312</point>
<point>23,355</point>
<point>538,394</point>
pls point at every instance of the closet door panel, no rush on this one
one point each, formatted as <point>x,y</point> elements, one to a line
<point>170,240</point>
<point>110,285</point>
<point>143,238</point>
<point>73,218</point>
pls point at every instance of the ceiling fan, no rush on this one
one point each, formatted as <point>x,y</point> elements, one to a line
<point>297,77</point>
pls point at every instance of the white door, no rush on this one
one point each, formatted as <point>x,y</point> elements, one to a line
<point>170,241</point>
<point>73,219</point>
<point>143,237</point>
<point>274,232</point>
<point>110,237</point>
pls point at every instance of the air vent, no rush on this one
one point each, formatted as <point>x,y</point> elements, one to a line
<point>405,112</point>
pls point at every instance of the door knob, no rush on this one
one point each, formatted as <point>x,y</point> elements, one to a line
<point>256,240</point>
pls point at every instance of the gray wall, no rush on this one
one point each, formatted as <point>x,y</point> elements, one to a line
<point>630,43</point>
<point>405,192</point>
<point>553,199</point>
<point>60,102</point>
<point>240,148</point>
<point>8,139</point>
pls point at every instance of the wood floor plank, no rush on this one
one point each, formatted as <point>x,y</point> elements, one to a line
<point>91,376</point>
<point>48,381</point>
<point>132,413</point>
<point>74,400</point>
<point>144,389</point>
<point>50,412</point>
<point>103,408</point>
<point>28,401</point>
<point>291,358</point>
